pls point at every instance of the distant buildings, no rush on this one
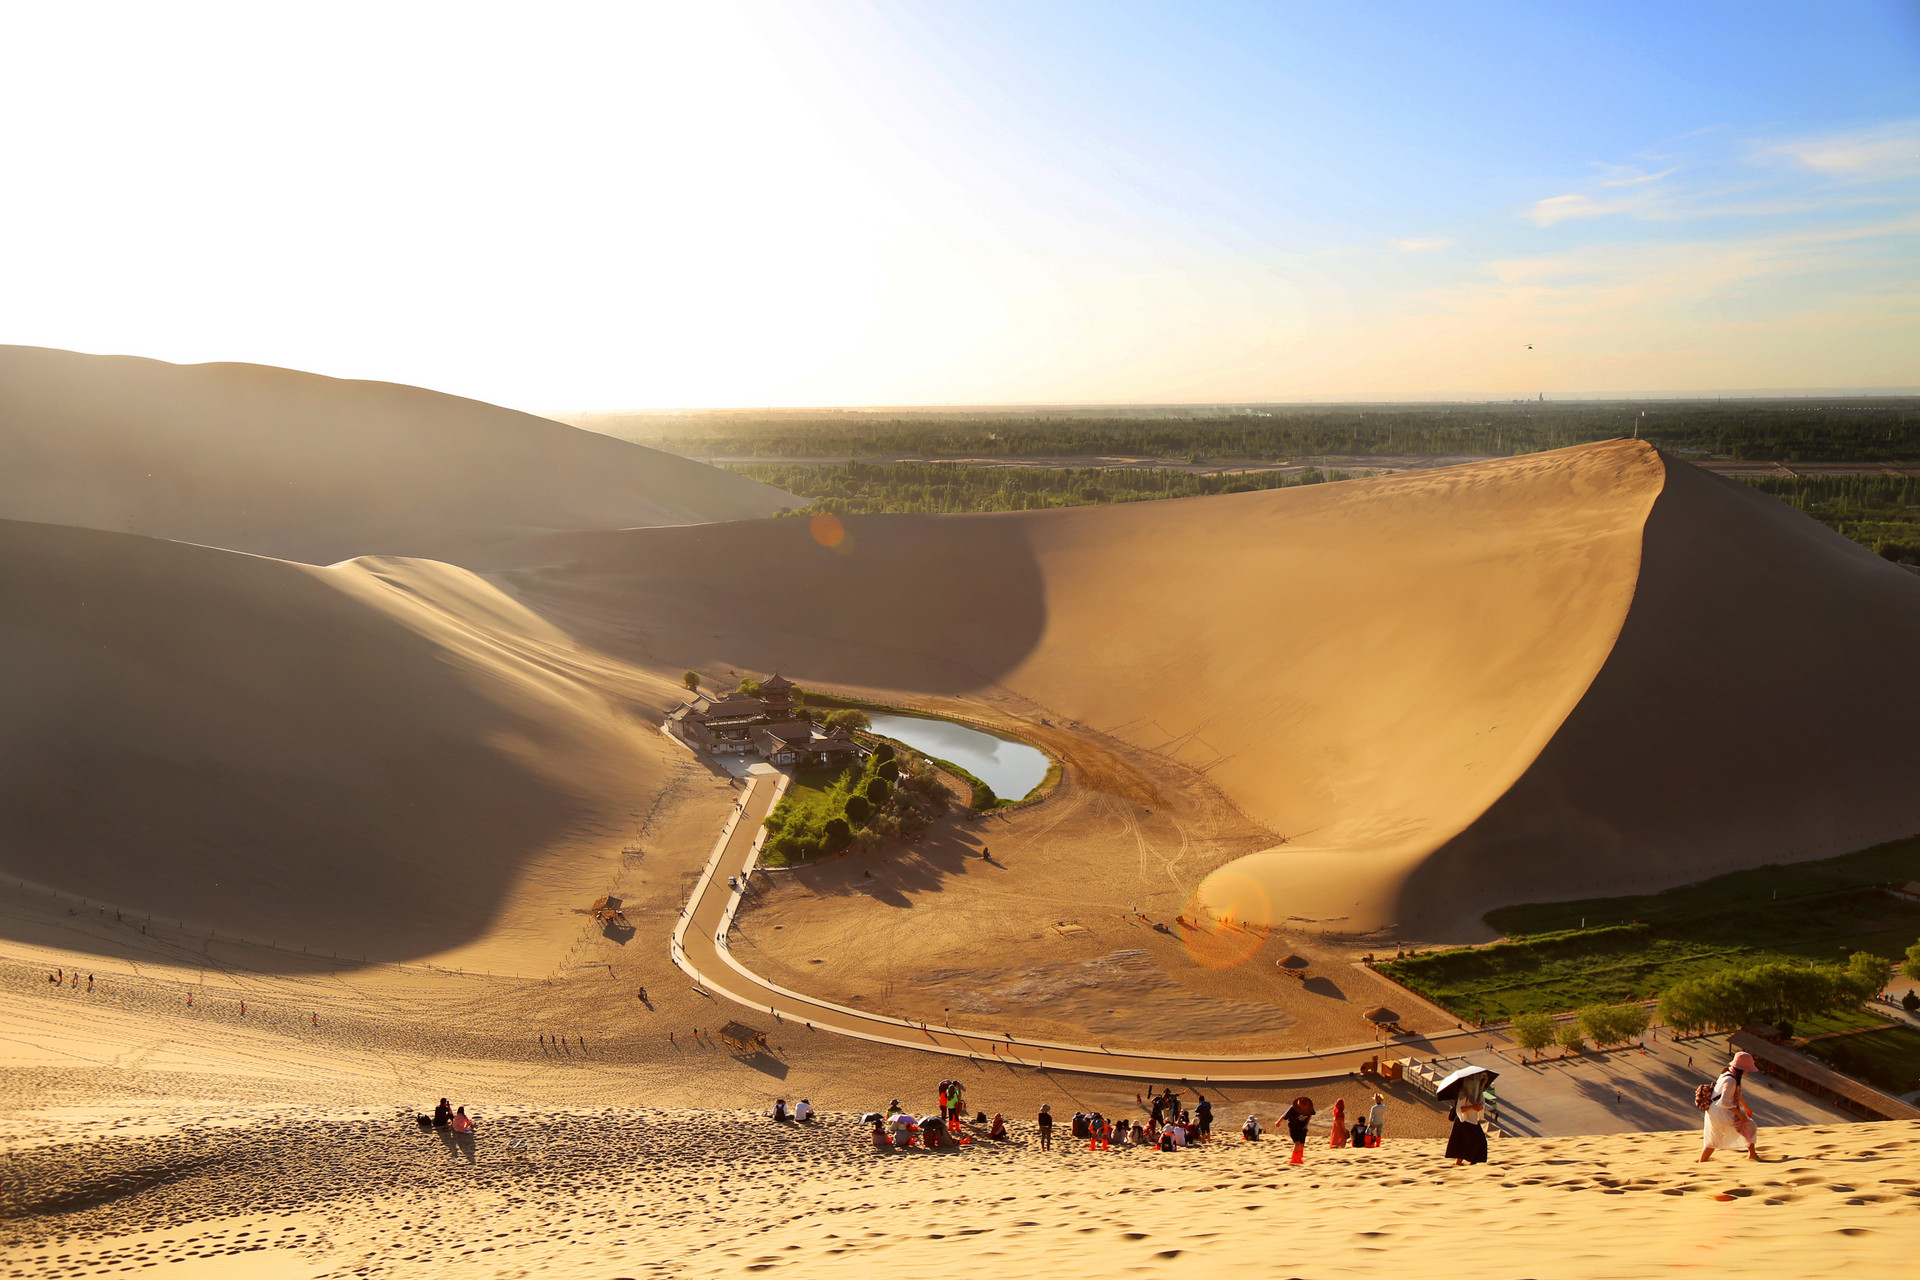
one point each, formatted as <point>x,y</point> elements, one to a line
<point>765,724</point>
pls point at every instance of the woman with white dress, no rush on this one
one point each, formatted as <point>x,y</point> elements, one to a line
<point>1729,1121</point>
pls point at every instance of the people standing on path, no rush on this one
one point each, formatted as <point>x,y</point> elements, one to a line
<point>1045,1121</point>
<point>1729,1121</point>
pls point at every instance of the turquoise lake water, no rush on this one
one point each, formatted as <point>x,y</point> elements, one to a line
<point>1011,768</point>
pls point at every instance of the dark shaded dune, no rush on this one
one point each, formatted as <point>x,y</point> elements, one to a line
<point>1760,705</point>
<point>934,604</point>
<point>263,748</point>
<point>319,469</point>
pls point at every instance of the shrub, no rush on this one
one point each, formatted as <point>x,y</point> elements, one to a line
<point>848,718</point>
<point>883,752</point>
<point>1533,1031</point>
<point>1910,1002</point>
<point>838,833</point>
<point>1570,1036</point>
<point>859,809</point>
<point>691,679</point>
<point>889,770</point>
<point>877,791</point>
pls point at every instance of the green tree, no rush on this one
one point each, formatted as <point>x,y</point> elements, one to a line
<point>691,679</point>
<point>838,833</point>
<point>878,790</point>
<point>1912,966</point>
<point>889,770</point>
<point>1570,1036</point>
<point>848,718</point>
<point>859,809</point>
<point>1869,973</point>
<point>749,687</point>
<point>1611,1024</point>
<point>883,752</point>
<point>1533,1032</point>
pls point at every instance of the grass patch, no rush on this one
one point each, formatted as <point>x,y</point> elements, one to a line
<point>1634,947</point>
<point>813,797</point>
<point>1888,1060</point>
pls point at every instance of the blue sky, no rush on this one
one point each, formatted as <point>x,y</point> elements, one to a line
<point>605,206</point>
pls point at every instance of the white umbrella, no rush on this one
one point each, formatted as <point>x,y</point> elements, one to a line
<point>1453,1082</point>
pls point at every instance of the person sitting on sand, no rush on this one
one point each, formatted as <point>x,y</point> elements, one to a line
<point>1729,1120</point>
<point>460,1124</point>
<point>1166,1139</point>
<point>1358,1134</point>
<point>1139,1135</point>
<point>804,1112</point>
<point>779,1110</point>
<point>442,1114</point>
<point>1251,1129</point>
<point>880,1136</point>
<point>998,1129</point>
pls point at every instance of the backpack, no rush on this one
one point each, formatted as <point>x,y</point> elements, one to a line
<point>1703,1097</point>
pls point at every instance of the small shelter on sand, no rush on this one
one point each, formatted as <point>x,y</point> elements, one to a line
<point>1295,965</point>
<point>741,1038</point>
<point>1384,1019</point>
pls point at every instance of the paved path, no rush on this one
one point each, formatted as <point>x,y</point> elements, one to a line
<point>1631,1091</point>
<point>700,948</point>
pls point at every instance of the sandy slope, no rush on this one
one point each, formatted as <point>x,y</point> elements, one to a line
<point>318,469</point>
<point>1367,670</point>
<point>382,758</point>
<point>620,1192</point>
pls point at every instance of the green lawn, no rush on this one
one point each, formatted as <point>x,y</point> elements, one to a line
<point>813,796</point>
<point>1887,1060</point>
<point>1633,947</point>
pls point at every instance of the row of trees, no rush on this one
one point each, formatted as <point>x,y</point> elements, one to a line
<point>1776,991</point>
<point>1843,429</point>
<point>933,488</point>
<point>1604,1024</point>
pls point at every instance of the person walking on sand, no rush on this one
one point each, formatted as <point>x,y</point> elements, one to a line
<point>1339,1138</point>
<point>1296,1121</point>
<point>1729,1121</point>
<point>1045,1121</point>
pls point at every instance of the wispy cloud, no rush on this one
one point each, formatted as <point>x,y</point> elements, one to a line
<point>1888,151</point>
<point>1421,245</point>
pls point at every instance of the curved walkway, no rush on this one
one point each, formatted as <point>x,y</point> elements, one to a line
<point>700,947</point>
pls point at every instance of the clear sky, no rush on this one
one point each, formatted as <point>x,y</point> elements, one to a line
<point>574,206</point>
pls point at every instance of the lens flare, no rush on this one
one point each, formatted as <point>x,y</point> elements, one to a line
<point>1226,920</point>
<point>827,529</point>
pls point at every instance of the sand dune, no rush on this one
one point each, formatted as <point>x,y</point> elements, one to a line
<point>1369,669</point>
<point>318,469</point>
<point>383,758</point>
<point>616,1191</point>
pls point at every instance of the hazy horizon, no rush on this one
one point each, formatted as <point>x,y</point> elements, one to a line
<point>618,208</point>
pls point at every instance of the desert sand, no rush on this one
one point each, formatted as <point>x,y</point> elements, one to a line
<point>326,836</point>
<point>319,469</point>
<point>1433,693</point>
<point>300,1192</point>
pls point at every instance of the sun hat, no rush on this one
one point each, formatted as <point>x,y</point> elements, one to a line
<point>1743,1061</point>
